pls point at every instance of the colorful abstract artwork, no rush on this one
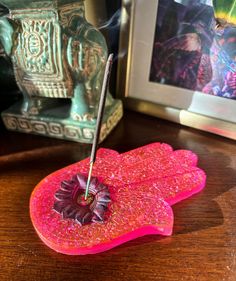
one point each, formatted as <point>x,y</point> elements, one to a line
<point>190,53</point>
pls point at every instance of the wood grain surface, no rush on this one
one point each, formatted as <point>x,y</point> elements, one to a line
<point>202,248</point>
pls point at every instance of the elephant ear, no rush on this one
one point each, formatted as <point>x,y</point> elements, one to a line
<point>6,35</point>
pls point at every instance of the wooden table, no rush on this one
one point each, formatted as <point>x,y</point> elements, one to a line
<point>203,246</point>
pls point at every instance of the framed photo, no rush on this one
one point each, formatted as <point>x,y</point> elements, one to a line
<point>173,64</point>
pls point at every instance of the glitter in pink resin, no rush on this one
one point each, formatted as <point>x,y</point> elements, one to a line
<point>143,184</point>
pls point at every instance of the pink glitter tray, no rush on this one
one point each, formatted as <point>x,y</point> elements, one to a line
<point>143,184</point>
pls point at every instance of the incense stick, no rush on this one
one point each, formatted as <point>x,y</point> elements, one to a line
<point>99,120</point>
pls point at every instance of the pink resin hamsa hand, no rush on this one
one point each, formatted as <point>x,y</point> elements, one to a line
<point>130,196</point>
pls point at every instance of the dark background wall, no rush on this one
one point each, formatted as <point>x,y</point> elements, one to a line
<point>113,12</point>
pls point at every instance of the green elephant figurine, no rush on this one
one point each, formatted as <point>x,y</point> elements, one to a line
<point>56,54</point>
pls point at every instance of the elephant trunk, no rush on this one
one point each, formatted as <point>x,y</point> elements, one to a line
<point>6,35</point>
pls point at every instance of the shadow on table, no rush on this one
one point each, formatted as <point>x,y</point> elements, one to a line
<point>202,211</point>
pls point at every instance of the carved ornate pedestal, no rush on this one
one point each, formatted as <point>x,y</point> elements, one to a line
<point>59,61</point>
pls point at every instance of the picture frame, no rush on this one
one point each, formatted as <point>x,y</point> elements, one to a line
<point>191,108</point>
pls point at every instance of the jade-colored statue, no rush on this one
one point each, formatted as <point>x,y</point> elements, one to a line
<point>59,61</point>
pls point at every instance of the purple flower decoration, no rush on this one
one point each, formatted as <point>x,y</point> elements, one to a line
<point>71,204</point>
